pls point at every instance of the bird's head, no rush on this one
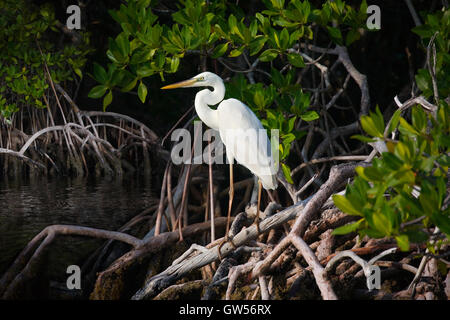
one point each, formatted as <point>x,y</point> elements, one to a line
<point>204,79</point>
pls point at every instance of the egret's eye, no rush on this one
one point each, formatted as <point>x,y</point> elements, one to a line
<point>201,79</point>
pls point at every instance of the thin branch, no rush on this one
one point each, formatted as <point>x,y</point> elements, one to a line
<point>263,286</point>
<point>161,202</point>
<point>319,272</point>
<point>431,54</point>
<point>413,13</point>
<point>322,160</point>
<point>22,157</point>
<point>307,184</point>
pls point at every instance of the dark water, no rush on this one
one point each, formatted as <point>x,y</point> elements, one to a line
<point>26,207</point>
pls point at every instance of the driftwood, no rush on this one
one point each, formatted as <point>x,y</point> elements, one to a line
<point>149,246</point>
<point>155,284</point>
<point>304,214</point>
<point>24,266</point>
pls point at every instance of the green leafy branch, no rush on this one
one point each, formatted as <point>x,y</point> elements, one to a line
<point>220,31</point>
<point>22,27</point>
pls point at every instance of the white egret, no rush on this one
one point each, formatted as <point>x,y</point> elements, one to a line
<point>242,133</point>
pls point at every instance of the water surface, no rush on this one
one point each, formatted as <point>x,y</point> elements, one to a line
<point>29,205</point>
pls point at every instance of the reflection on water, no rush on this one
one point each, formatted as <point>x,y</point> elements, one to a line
<point>26,207</point>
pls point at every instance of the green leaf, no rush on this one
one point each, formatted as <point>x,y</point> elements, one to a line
<point>284,38</point>
<point>174,63</point>
<point>424,31</point>
<point>127,28</point>
<point>116,76</point>
<point>296,60</point>
<point>268,55</point>
<point>368,125</point>
<point>274,37</point>
<point>352,36</point>
<point>100,74</point>
<point>253,28</point>
<point>392,161</point>
<point>112,56</point>
<point>123,44</point>
<point>345,205</point>
<point>220,50</point>
<point>378,120</point>
<point>382,223</point>
<point>369,173</point>
<point>232,22</point>
<point>280,21</point>
<point>403,242</point>
<point>130,85</point>
<point>142,91</point>
<point>97,91</point>
<point>44,13</point>
<point>407,127</point>
<point>236,52</point>
<point>362,138</point>
<point>297,34</point>
<point>394,121</point>
<point>419,118</point>
<point>287,173</point>
<point>299,134</point>
<point>142,55</point>
<point>287,139</point>
<point>423,81</point>
<point>160,59</point>
<point>213,37</point>
<point>291,123</point>
<point>181,18</point>
<point>350,227</point>
<point>107,99</point>
<point>335,35</point>
<point>258,98</point>
<point>145,70</point>
<point>78,72</point>
<point>257,44</point>
<point>309,116</point>
<point>278,4</point>
<point>260,17</point>
<point>442,220</point>
<point>402,151</point>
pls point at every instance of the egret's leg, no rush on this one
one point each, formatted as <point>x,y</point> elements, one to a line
<point>258,205</point>
<point>270,196</point>
<point>230,201</point>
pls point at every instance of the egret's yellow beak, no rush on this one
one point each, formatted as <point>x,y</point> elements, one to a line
<point>181,84</point>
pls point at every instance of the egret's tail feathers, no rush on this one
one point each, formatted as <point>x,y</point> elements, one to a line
<point>269,182</point>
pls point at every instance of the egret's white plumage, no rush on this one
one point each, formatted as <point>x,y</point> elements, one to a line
<point>246,140</point>
<point>242,133</point>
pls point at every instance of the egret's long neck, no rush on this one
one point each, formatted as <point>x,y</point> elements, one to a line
<point>204,99</point>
